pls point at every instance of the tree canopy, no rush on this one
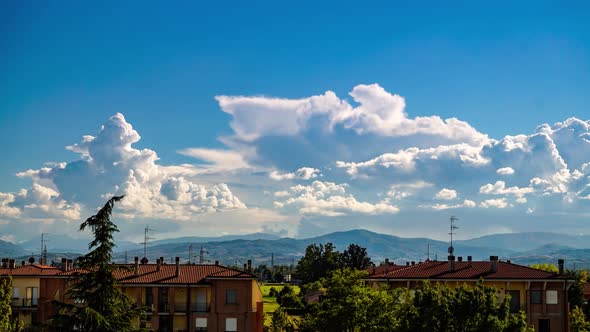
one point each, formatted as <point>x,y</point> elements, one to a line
<point>99,304</point>
<point>350,305</point>
<point>320,260</point>
<point>7,323</point>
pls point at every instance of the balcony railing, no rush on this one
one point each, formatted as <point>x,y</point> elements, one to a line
<point>200,307</point>
<point>16,302</point>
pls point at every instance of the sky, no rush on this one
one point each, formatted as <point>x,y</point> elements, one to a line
<point>241,117</point>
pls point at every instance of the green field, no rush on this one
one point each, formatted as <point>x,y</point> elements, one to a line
<point>270,302</point>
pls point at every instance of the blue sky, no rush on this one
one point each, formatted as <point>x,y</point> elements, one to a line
<point>502,68</point>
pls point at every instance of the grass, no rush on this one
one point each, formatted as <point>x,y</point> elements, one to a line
<point>270,302</point>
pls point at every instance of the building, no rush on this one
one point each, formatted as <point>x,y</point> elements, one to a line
<point>541,295</point>
<point>26,285</point>
<point>182,297</point>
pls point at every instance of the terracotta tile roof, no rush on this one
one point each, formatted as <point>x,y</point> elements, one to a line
<point>189,274</point>
<point>463,270</point>
<point>30,270</point>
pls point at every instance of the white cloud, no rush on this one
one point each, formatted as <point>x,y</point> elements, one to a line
<point>219,160</point>
<point>330,199</point>
<point>303,173</point>
<point>465,204</point>
<point>499,188</point>
<point>109,165</point>
<point>8,238</point>
<point>446,194</point>
<point>403,190</point>
<point>499,203</point>
<point>379,112</point>
<point>505,171</point>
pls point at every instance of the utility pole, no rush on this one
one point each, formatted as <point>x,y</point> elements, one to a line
<point>146,238</point>
<point>190,253</point>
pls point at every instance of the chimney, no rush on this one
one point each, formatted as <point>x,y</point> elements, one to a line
<point>386,261</point>
<point>136,263</point>
<point>407,263</point>
<point>245,266</point>
<point>508,261</point>
<point>560,265</point>
<point>70,264</point>
<point>177,266</point>
<point>216,262</point>
<point>162,260</point>
<point>451,263</point>
<point>494,263</point>
<point>4,263</point>
<point>158,264</point>
<point>460,259</point>
<point>413,263</point>
<point>469,259</point>
<point>22,263</point>
<point>64,263</point>
<point>249,266</point>
<point>11,264</point>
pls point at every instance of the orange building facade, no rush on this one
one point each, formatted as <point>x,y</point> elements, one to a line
<point>182,297</point>
<point>541,295</point>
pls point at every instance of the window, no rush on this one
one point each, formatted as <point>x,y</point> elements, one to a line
<point>536,297</point>
<point>15,292</point>
<point>231,296</point>
<point>551,297</point>
<point>514,300</point>
<point>231,324</point>
<point>201,324</point>
<point>149,297</point>
<point>32,296</point>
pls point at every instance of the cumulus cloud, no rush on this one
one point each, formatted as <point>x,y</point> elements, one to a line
<point>446,194</point>
<point>303,173</point>
<point>499,188</point>
<point>218,160</point>
<point>403,190</point>
<point>465,204</point>
<point>330,199</point>
<point>109,165</point>
<point>505,171</point>
<point>499,203</point>
<point>379,112</point>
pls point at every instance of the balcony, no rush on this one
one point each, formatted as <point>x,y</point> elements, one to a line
<point>200,307</point>
<point>24,303</point>
<point>163,307</point>
<point>179,306</point>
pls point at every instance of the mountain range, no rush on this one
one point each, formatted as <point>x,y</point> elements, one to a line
<point>523,248</point>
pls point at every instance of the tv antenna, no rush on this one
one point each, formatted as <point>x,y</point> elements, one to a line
<point>43,251</point>
<point>428,245</point>
<point>190,253</point>
<point>452,232</point>
<point>146,238</point>
<point>202,253</point>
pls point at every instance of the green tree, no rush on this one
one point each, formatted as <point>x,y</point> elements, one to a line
<point>578,321</point>
<point>546,267</point>
<point>7,323</point>
<point>282,322</point>
<point>318,262</point>
<point>355,257</point>
<point>99,304</point>
<point>349,305</point>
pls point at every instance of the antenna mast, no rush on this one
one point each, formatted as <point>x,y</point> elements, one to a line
<point>452,232</point>
<point>190,252</point>
<point>428,251</point>
<point>202,253</point>
<point>146,238</point>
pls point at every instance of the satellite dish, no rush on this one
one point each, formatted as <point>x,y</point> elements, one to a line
<point>31,260</point>
<point>144,260</point>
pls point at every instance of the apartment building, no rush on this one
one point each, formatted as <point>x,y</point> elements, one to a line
<point>26,285</point>
<point>182,297</point>
<point>541,295</point>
